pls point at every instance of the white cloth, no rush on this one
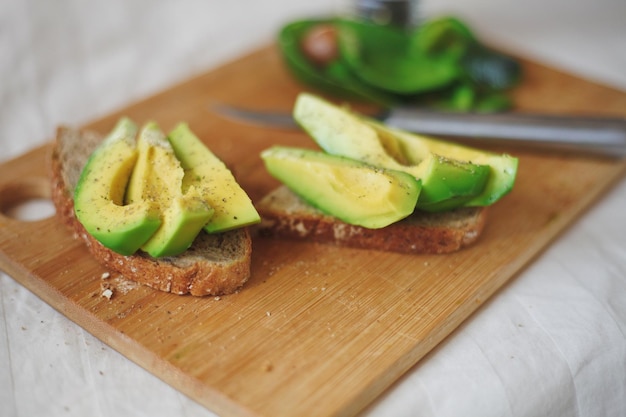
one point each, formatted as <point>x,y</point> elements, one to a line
<point>551,343</point>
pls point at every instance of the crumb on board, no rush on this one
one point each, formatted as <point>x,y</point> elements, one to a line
<point>107,293</point>
<point>109,285</point>
<point>124,286</point>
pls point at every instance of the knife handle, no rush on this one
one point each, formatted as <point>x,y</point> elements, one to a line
<point>594,135</point>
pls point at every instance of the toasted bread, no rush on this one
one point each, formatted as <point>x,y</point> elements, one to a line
<point>285,215</point>
<point>215,264</point>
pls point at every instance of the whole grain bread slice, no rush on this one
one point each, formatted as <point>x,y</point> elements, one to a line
<point>215,264</point>
<point>285,215</point>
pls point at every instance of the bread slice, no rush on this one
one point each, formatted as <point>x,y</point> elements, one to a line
<point>215,264</point>
<point>285,215</point>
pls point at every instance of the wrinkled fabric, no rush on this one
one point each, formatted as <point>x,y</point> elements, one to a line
<point>550,343</point>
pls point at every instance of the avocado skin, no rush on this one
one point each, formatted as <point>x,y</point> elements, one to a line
<point>350,190</point>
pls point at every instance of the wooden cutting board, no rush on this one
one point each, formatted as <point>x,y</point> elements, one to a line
<point>318,330</point>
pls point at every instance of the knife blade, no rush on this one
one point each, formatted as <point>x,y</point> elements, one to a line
<point>604,136</point>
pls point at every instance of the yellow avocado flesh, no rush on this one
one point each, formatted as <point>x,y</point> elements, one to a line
<point>213,181</point>
<point>350,190</point>
<point>502,168</point>
<point>157,178</point>
<point>451,175</point>
<point>99,194</point>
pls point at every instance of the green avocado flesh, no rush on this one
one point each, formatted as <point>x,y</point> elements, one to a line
<point>213,181</point>
<point>99,194</point>
<point>350,190</point>
<point>502,168</point>
<point>451,175</point>
<point>141,190</point>
<point>157,178</point>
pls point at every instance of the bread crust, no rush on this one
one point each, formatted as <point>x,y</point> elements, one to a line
<point>284,215</point>
<point>216,264</point>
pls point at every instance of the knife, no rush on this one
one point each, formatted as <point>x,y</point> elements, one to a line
<point>587,134</point>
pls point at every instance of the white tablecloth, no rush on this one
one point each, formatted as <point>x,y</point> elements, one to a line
<point>551,343</point>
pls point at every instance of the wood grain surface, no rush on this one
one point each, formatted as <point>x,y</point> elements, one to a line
<point>318,330</point>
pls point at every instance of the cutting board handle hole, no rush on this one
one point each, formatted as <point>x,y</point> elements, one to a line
<point>26,200</point>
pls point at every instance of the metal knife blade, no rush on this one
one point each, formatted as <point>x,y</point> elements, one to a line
<point>590,135</point>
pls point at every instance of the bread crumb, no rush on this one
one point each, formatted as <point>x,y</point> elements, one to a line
<point>105,275</point>
<point>106,290</point>
<point>217,298</point>
<point>267,366</point>
<point>124,285</point>
<point>267,313</point>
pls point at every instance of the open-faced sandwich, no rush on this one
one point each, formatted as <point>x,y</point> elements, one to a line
<point>161,210</point>
<point>375,187</point>
<point>164,211</point>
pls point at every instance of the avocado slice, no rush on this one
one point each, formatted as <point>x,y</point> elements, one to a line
<point>352,191</point>
<point>445,176</point>
<point>502,167</point>
<point>214,181</point>
<point>158,178</point>
<point>99,194</point>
